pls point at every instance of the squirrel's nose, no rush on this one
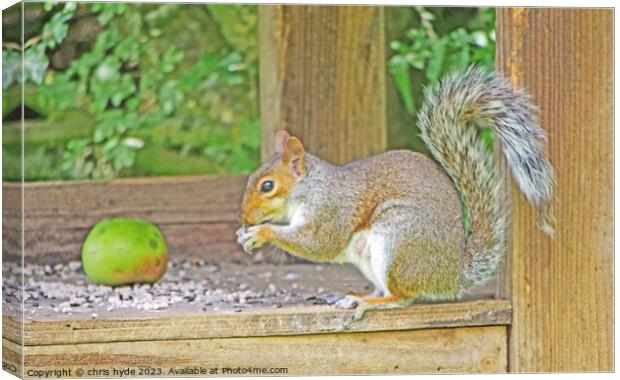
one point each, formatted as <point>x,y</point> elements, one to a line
<point>242,218</point>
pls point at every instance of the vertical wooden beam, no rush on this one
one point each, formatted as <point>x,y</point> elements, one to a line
<point>322,78</point>
<point>562,288</point>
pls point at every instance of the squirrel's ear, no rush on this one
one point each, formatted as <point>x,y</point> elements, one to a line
<point>281,139</point>
<point>294,154</point>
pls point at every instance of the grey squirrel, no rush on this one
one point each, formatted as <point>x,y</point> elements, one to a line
<point>398,216</point>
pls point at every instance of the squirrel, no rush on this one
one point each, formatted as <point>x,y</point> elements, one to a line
<point>399,216</point>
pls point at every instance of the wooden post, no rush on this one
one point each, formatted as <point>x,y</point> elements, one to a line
<point>322,78</point>
<point>562,288</point>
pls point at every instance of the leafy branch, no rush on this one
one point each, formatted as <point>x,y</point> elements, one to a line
<point>35,59</point>
<point>434,55</point>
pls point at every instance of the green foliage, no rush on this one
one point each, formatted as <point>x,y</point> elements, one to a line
<point>173,88</point>
<point>35,59</point>
<point>145,68</point>
<point>435,54</point>
<point>11,67</point>
<point>236,154</point>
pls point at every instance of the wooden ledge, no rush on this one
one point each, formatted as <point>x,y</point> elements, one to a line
<point>258,322</point>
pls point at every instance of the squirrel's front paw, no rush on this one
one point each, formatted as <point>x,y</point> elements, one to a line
<point>348,302</point>
<point>253,237</point>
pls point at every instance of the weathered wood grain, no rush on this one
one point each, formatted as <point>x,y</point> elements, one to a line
<point>469,349</point>
<point>12,213</point>
<point>53,245</point>
<point>196,214</point>
<point>12,357</point>
<point>166,200</point>
<point>322,78</point>
<point>562,288</point>
<point>12,328</point>
<point>258,322</point>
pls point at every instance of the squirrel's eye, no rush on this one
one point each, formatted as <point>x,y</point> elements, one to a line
<point>266,186</point>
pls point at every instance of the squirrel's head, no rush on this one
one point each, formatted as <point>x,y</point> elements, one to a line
<point>269,188</point>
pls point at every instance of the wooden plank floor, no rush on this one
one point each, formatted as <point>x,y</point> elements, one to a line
<point>284,329</point>
<point>277,300</point>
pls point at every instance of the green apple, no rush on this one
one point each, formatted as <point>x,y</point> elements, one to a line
<point>124,251</point>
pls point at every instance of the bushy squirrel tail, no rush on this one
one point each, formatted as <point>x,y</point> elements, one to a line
<point>454,110</point>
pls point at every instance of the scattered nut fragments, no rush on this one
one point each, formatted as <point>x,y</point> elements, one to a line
<point>291,276</point>
<point>189,283</point>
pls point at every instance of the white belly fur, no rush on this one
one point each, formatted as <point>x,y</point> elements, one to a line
<point>367,251</point>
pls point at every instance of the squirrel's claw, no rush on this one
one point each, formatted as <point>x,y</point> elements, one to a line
<point>248,238</point>
<point>241,231</point>
<point>359,312</point>
<point>348,302</point>
<point>243,238</point>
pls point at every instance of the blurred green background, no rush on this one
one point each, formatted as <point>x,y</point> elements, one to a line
<point>123,90</point>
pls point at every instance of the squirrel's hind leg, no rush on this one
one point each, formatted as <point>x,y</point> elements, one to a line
<point>352,300</point>
<point>388,302</point>
<point>361,296</point>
